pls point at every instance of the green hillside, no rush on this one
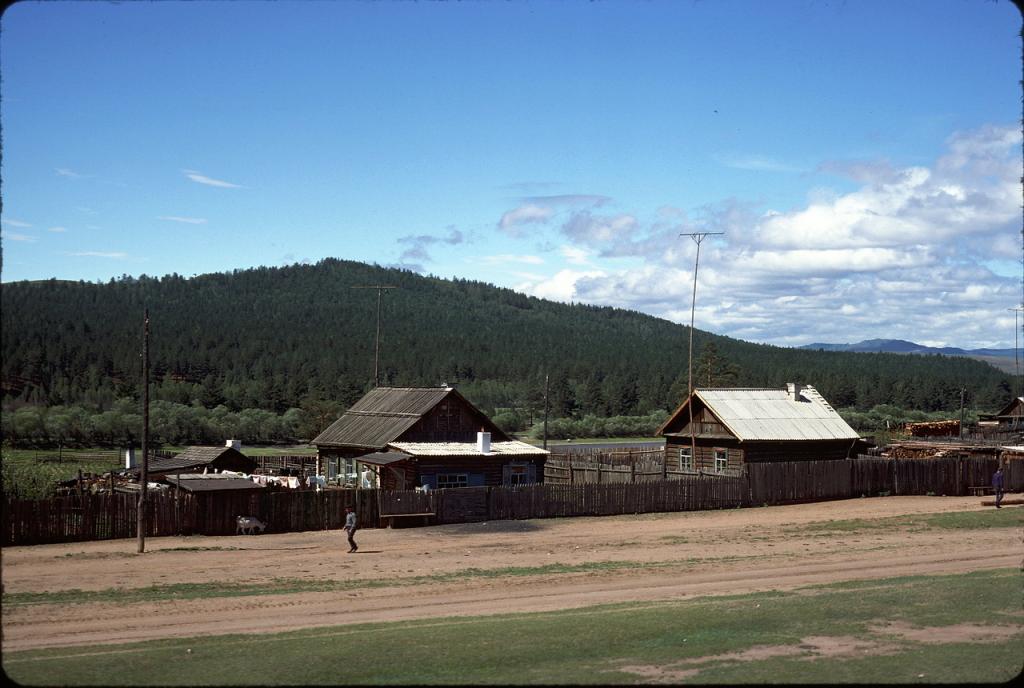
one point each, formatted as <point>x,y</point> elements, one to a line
<point>301,336</point>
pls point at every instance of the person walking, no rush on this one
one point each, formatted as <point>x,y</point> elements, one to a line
<point>351,527</point>
<point>997,485</point>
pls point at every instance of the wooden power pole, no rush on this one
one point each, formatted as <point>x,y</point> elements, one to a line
<point>376,347</point>
<point>140,523</point>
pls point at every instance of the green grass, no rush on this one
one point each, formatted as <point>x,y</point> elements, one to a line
<point>285,586</point>
<point>970,520</point>
<point>598,645</point>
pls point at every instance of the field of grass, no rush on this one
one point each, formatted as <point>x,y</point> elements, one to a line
<point>850,633</point>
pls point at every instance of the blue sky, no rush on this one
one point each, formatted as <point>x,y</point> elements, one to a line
<point>863,158</point>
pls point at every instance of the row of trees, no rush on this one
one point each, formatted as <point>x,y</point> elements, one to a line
<point>182,424</point>
<point>300,337</point>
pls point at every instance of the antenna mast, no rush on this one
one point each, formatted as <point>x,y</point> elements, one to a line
<point>376,347</point>
<point>697,237</point>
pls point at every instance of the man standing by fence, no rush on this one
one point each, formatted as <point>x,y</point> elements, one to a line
<point>350,528</point>
<point>997,485</point>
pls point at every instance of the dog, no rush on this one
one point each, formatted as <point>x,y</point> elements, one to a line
<point>247,525</point>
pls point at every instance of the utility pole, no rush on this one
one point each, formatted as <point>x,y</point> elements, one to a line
<point>545,410</point>
<point>376,347</point>
<point>140,523</point>
<point>1016,348</point>
<point>697,237</point>
<point>963,390</point>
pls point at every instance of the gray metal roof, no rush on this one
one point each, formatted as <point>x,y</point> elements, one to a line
<point>197,482</point>
<point>507,448</point>
<point>190,459</point>
<point>384,413</point>
<point>383,458</point>
<point>773,414</point>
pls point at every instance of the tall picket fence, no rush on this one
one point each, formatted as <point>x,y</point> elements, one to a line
<point>105,516</point>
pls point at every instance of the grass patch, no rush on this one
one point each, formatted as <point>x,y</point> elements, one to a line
<point>285,586</point>
<point>715,637</point>
<point>959,520</point>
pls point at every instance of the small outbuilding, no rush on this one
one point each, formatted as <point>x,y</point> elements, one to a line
<point>212,482</point>
<point>1011,417</point>
<point>735,426</point>
<point>198,459</point>
<point>425,437</point>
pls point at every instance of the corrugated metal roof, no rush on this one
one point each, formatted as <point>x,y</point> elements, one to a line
<point>197,482</point>
<point>506,448</point>
<point>383,458</point>
<point>189,459</point>
<point>381,415</point>
<point>384,413</point>
<point>773,414</point>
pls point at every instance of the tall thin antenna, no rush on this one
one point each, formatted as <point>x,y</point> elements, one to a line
<point>1016,348</point>
<point>697,237</point>
<point>140,514</point>
<point>376,347</point>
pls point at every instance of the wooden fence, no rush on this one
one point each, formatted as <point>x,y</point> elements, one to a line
<point>601,466</point>
<point>106,516</point>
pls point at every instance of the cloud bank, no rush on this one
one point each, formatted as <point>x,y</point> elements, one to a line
<point>907,254</point>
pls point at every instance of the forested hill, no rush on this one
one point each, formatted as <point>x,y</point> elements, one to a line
<point>276,338</point>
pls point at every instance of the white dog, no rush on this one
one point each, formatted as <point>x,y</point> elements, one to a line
<point>248,525</point>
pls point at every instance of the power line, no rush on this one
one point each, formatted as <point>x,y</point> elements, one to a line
<point>376,347</point>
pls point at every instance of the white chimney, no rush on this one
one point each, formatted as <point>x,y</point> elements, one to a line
<point>129,458</point>
<point>483,442</point>
<point>794,389</point>
<point>234,444</point>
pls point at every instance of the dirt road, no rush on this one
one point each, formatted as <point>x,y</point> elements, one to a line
<point>602,560</point>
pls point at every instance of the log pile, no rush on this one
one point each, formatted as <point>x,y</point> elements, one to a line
<point>933,428</point>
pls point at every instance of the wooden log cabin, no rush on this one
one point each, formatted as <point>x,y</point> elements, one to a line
<point>733,427</point>
<point>413,437</point>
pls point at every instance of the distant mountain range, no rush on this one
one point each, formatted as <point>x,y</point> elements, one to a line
<point>1004,359</point>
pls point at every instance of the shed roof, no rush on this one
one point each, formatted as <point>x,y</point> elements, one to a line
<point>771,414</point>
<point>191,458</point>
<point>1008,409</point>
<point>384,413</point>
<point>506,448</point>
<point>199,482</point>
<point>383,458</point>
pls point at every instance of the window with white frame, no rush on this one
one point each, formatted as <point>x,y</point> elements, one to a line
<point>445,480</point>
<point>686,458</point>
<point>721,460</point>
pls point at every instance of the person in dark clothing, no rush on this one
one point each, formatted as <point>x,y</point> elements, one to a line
<point>997,485</point>
<point>351,527</point>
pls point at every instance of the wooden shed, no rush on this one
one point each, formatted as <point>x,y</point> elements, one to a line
<point>198,459</point>
<point>412,437</point>
<point>1011,417</point>
<point>212,482</point>
<point>735,426</point>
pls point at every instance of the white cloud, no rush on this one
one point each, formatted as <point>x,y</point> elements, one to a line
<point>57,229</point>
<point>757,163</point>
<point>209,181</point>
<point>524,215</point>
<point>574,255</point>
<point>511,258</point>
<point>17,236</point>
<point>186,220</point>
<point>15,223</point>
<point>558,287</point>
<point>65,172</point>
<point>906,255</point>
<point>100,254</point>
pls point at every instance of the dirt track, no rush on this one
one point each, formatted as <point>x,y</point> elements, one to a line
<point>675,555</point>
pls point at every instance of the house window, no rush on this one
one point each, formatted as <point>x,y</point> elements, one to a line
<point>445,480</point>
<point>721,460</point>
<point>685,458</point>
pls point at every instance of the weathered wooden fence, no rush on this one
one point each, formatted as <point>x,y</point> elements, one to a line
<point>106,516</point>
<point>602,466</point>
